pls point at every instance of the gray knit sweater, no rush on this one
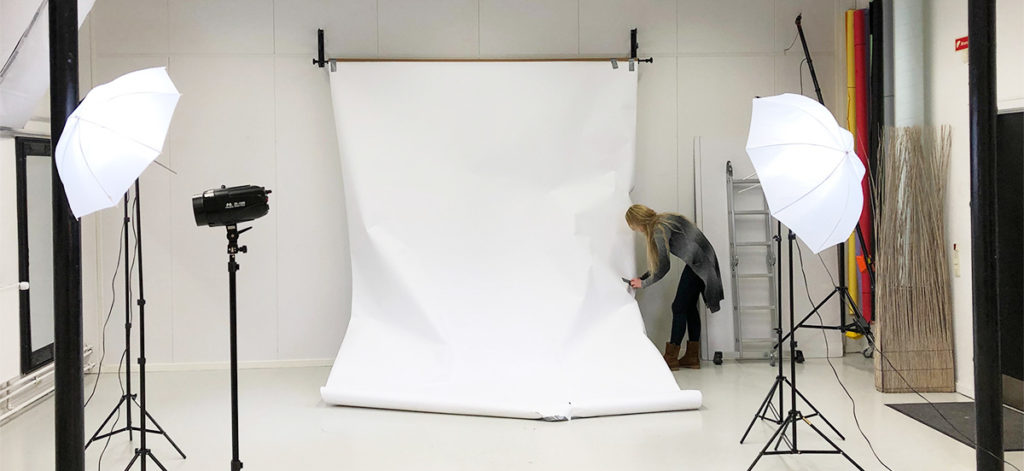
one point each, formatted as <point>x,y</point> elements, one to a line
<point>689,244</point>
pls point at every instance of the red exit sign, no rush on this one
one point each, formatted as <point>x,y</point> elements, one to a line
<point>961,43</point>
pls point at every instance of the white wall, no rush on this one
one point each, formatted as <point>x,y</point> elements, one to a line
<point>946,102</point>
<point>254,110</point>
<point>10,338</point>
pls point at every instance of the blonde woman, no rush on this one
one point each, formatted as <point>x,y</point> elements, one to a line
<point>672,233</point>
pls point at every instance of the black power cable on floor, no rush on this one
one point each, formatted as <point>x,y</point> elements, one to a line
<point>900,374</point>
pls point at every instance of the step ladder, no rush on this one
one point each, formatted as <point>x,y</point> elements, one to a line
<point>758,276</point>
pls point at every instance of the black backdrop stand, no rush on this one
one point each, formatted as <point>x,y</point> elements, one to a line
<point>128,398</point>
<point>69,414</point>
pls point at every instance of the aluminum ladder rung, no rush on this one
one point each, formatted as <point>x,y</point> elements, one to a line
<point>752,212</point>
<point>755,308</point>
<point>753,244</point>
<point>770,340</point>
<point>744,276</point>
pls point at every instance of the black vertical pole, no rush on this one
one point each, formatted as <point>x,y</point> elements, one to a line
<point>67,257</point>
<point>778,310</point>
<point>233,233</point>
<point>142,329</point>
<point>841,248</point>
<point>981,30</point>
<point>127,321</point>
<point>877,90</point>
<point>792,341</point>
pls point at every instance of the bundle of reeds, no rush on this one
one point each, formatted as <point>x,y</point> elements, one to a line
<point>914,328</point>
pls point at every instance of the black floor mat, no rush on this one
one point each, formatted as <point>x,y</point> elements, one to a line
<point>961,414</point>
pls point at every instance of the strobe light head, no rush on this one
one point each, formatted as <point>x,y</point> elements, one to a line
<point>229,206</point>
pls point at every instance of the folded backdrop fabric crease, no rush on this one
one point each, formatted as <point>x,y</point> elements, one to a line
<point>486,208</point>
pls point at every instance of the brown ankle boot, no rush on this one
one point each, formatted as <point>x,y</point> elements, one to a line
<point>671,355</point>
<point>691,359</point>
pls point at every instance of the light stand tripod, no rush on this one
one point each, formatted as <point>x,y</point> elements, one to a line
<point>128,398</point>
<point>233,249</point>
<point>859,325</point>
<point>794,415</point>
<point>767,406</point>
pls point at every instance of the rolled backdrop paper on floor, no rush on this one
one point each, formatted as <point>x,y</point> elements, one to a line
<point>486,208</point>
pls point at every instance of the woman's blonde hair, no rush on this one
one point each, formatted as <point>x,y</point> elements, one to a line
<point>646,220</point>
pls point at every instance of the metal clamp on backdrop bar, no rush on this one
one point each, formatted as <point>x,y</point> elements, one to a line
<point>633,47</point>
<point>321,60</point>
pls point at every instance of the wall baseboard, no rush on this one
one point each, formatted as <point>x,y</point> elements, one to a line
<point>224,365</point>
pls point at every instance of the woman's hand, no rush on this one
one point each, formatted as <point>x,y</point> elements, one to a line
<point>636,283</point>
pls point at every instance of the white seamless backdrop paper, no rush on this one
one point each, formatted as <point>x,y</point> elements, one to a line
<point>486,208</point>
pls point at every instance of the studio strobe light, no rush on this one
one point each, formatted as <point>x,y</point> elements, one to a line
<point>228,207</point>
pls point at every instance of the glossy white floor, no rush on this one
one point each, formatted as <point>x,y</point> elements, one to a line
<point>285,426</point>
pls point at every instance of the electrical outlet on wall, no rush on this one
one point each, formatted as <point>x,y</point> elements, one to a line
<point>956,260</point>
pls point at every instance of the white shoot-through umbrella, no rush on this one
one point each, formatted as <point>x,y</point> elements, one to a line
<point>808,169</point>
<point>113,136</point>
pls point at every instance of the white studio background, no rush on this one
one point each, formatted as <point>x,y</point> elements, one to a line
<point>254,110</point>
<point>485,205</point>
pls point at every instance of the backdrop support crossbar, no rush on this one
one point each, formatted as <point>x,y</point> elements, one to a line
<point>322,60</point>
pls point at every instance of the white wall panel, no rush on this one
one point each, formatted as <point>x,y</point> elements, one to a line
<point>131,26</point>
<point>819,22</point>
<point>725,26</point>
<point>529,28</point>
<point>314,273</point>
<point>440,28</point>
<point>1009,41</point>
<point>350,27</point>
<point>605,25</point>
<point>222,133</point>
<point>10,337</point>
<point>724,112</point>
<point>221,26</point>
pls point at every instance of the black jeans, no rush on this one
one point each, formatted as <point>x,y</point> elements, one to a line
<point>684,307</point>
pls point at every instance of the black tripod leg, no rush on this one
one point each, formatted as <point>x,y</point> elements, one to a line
<point>130,463</point>
<point>785,423</point>
<point>99,429</point>
<point>161,466</point>
<point>819,414</point>
<point>760,410</point>
<point>833,444</point>
<point>168,437</point>
<point>783,438</point>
